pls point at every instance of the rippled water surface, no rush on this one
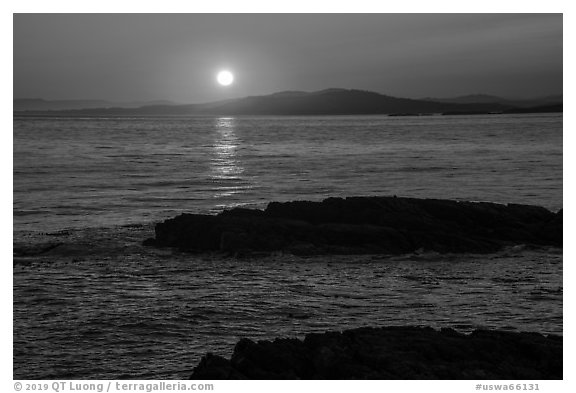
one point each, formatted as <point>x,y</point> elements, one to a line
<point>93,172</point>
<point>97,304</point>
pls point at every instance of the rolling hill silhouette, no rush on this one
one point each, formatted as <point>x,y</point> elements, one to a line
<point>486,98</point>
<point>323,102</point>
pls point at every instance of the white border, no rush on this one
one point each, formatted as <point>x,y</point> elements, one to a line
<point>301,6</point>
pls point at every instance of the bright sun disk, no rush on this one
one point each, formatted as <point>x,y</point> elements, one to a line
<point>225,78</point>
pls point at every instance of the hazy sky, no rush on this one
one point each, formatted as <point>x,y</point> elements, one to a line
<point>128,57</point>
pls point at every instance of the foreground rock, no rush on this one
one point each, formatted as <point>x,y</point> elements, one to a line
<point>392,353</point>
<point>364,225</point>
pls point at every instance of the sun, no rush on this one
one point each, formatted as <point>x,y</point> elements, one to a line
<point>225,78</point>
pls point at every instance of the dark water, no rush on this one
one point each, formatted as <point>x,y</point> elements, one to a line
<point>100,172</point>
<point>99,305</point>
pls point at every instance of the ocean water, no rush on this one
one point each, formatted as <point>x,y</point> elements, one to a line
<point>100,305</point>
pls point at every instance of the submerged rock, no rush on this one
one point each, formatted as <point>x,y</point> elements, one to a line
<point>364,225</point>
<point>33,250</point>
<point>392,353</point>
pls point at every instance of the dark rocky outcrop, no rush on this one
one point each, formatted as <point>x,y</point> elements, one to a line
<point>363,225</point>
<point>392,353</point>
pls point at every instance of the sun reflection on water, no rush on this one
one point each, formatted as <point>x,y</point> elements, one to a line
<point>226,167</point>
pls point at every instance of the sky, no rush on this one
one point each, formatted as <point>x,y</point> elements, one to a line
<point>145,57</point>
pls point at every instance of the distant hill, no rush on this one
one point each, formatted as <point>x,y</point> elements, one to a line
<point>485,99</point>
<point>38,104</point>
<point>324,102</point>
<point>556,108</point>
<point>336,102</point>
